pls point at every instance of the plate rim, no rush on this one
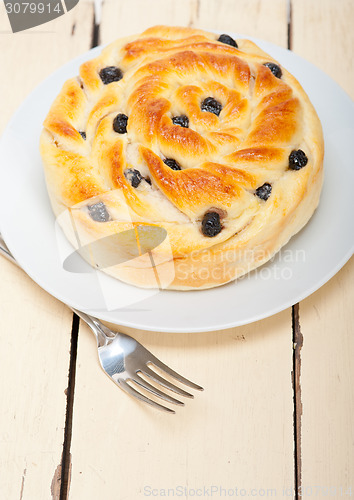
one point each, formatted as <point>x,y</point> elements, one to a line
<point>105,315</point>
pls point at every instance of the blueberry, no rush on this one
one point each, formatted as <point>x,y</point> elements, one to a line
<point>83,134</point>
<point>181,120</point>
<point>98,212</point>
<point>133,176</point>
<point>274,68</point>
<point>111,74</point>
<point>211,225</point>
<point>120,124</point>
<point>297,159</point>
<point>211,105</point>
<point>263,192</point>
<point>170,162</point>
<point>228,40</point>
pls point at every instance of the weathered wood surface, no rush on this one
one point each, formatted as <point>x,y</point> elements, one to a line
<point>322,33</point>
<point>35,329</point>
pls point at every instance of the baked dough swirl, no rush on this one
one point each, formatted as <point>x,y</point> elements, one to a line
<point>181,129</point>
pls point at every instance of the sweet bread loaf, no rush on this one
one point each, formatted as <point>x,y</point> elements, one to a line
<point>203,136</point>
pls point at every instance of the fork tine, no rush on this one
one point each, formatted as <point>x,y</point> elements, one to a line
<point>165,383</point>
<point>132,392</point>
<point>159,364</point>
<point>148,387</point>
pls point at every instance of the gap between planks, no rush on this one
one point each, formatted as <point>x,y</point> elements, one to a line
<point>61,480</point>
<point>297,341</point>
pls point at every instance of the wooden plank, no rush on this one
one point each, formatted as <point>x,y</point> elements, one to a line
<point>35,328</point>
<point>327,434</point>
<point>250,17</point>
<point>322,33</point>
<point>238,433</point>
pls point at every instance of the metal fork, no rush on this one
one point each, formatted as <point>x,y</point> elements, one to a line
<point>127,362</point>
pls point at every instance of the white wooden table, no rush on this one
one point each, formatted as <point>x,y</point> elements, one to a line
<point>276,417</point>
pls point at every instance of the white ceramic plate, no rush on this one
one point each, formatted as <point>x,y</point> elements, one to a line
<point>310,259</point>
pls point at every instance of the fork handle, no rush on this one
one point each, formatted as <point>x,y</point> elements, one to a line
<point>102,333</point>
<point>6,252</point>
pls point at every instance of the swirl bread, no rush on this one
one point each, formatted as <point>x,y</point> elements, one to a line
<point>205,137</point>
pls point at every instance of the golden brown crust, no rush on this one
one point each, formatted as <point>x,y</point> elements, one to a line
<point>169,71</point>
